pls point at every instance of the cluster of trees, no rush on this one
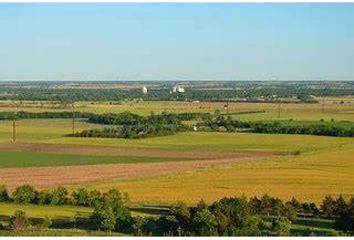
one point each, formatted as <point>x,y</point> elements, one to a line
<point>131,125</point>
<point>236,216</point>
<point>241,217</point>
<point>59,196</point>
<point>133,131</point>
<point>30,115</point>
<point>220,123</point>
<point>128,118</point>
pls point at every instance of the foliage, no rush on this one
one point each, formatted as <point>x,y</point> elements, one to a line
<point>19,221</point>
<point>25,194</point>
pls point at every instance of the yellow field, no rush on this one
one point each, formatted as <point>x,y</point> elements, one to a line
<point>308,177</point>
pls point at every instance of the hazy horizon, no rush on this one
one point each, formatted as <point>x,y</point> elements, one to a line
<point>177,41</point>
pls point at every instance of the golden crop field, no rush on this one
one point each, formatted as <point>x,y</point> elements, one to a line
<point>309,178</point>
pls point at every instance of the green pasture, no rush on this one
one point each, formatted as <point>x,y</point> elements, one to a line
<point>35,159</point>
<point>219,141</point>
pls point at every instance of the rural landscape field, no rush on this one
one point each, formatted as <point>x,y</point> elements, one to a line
<point>176,119</point>
<point>65,144</point>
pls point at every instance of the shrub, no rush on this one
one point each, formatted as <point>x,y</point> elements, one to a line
<point>60,196</point>
<point>20,221</point>
<point>80,197</point>
<point>4,195</point>
<point>25,194</point>
<point>44,198</point>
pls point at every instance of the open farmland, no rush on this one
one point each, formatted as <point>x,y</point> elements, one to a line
<point>307,177</point>
<point>187,165</point>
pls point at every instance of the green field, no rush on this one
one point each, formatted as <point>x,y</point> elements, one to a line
<point>45,131</point>
<point>31,159</point>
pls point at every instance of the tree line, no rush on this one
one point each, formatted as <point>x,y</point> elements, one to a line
<point>34,115</point>
<point>249,91</point>
<point>229,216</point>
<point>219,122</point>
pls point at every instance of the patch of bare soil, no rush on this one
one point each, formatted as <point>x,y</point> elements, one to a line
<point>121,151</point>
<point>50,177</point>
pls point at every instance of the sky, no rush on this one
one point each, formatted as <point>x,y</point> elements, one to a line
<point>176,41</point>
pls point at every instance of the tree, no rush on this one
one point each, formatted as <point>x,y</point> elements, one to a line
<point>110,212</point>
<point>289,212</point>
<point>182,214</point>
<point>44,197</point>
<point>25,194</point>
<point>281,226</point>
<point>59,196</point>
<point>20,221</point>
<point>4,195</point>
<point>328,205</point>
<point>80,197</point>
<point>204,223</point>
<point>94,197</point>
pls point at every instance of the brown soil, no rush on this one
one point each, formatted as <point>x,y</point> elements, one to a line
<point>50,177</point>
<point>120,151</point>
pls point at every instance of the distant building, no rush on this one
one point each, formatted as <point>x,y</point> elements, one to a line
<point>178,89</point>
<point>145,90</point>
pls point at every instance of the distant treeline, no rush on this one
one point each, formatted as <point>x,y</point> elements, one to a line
<point>33,115</point>
<point>220,123</point>
<point>253,92</point>
<point>236,216</point>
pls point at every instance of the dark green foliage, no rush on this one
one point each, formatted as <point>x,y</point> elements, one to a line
<point>281,227</point>
<point>131,125</point>
<point>25,194</point>
<point>4,195</point>
<point>220,123</point>
<point>328,205</point>
<point>31,115</point>
<point>80,197</point>
<point>110,212</point>
<point>60,196</point>
<point>44,197</point>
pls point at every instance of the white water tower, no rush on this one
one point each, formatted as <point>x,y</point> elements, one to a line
<point>145,91</point>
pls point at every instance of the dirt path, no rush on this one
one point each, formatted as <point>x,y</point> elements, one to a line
<point>121,151</point>
<point>50,177</point>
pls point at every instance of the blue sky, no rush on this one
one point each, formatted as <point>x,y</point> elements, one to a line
<point>175,41</point>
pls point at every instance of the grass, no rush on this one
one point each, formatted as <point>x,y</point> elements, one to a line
<point>32,159</point>
<point>308,177</point>
<point>54,131</point>
<point>53,212</point>
<point>218,141</point>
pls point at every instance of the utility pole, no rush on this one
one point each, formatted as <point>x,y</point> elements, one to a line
<point>322,106</point>
<point>14,124</point>
<point>14,129</point>
<point>73,117</point>
<point>279,109</point>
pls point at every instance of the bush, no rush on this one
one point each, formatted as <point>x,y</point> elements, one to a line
<point>19,221</point>
<point>4,195</point>
<point>44,198</point>
<point>25,194</point>
<point>60,196</point>
<point>80,197</point>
